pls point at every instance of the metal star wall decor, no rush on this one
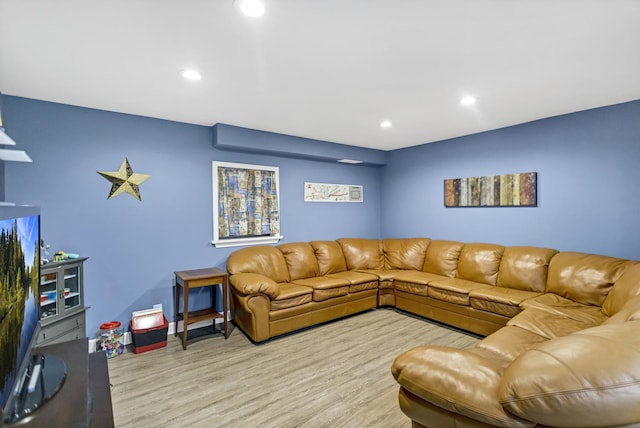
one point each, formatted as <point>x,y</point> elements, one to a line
<point>125,180</point>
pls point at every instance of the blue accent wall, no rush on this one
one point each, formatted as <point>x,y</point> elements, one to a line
<point>135,247</point>
<point>588,166</point>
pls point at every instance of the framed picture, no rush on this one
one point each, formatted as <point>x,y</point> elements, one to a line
<point>246,204</point>
<point>325,192</point>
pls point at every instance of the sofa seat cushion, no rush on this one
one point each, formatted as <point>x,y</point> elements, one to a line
<point>549,324</point>
<point>411,288</point>
<point>325,287</point>
<point>510,342</point>
<point>329,293</point>
<point>418,277</point>
<point>499,300</point>
<point>554,304</point>
<point>355,277</point>
<point>291,295</point>
<point>587,379</point>
<point>358,281</point>
<point>454,290</point>
<point>461,381</point>
<point>322,282</point>
<point>415,282</point>
<point>386,277</point>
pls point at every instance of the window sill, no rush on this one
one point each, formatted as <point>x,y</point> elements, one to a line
<point>237,242</point>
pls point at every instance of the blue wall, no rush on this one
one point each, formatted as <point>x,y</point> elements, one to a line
<point>135,247</point>
<point>588,166</point>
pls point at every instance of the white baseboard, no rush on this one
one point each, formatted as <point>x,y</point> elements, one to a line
<point>170,331</point>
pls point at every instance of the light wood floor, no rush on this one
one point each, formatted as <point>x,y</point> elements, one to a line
<point>334,375</point>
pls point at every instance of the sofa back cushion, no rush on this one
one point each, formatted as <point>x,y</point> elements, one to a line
<point>301,260</point>
<point>624,289</point>
<point>329,256</point>
<point>262,259</point>
<point>525,268</point>
<point>442,257</point>
<point>405,253</point>
<point>480,262</point>
<point>630,311</point>
<point>362,253</point>
<point>584,278</point>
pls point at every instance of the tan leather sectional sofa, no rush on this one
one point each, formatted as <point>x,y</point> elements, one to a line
<point>562,345</point>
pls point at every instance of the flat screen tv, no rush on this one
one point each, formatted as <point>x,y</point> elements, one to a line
<point>26,380</point>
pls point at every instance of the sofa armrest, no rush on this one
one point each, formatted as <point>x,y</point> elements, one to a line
<point>463,381</point>
<point>254,283</point>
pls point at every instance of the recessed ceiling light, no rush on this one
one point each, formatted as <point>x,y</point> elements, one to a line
<point>385,124</point>
<point>468,100</point>
<point>350,161</point>
<point>190,74</point>
<point>253,8</point>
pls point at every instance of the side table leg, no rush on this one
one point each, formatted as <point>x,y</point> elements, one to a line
<point>176,308</point>
<point>185,315</point>
<point>225,309</point>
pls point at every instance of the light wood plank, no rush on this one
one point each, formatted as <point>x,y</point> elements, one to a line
<point>337,374</point>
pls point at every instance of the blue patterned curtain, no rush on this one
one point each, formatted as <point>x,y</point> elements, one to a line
<point>247,203</point>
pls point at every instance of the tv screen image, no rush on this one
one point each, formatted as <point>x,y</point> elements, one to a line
<point>19,302</point>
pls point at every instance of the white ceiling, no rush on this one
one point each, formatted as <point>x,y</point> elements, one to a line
<point>327,69</point>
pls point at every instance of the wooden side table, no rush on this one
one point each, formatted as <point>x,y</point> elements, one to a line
<point>188,279</point>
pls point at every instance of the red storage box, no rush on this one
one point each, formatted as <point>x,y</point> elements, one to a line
<point>148,339</point>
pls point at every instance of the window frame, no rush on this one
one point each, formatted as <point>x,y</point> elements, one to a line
<point>274,238</point>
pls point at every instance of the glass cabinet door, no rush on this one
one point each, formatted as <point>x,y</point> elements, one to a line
<point>49,295</point>
<point>71,291</point>
<point>60,290</point>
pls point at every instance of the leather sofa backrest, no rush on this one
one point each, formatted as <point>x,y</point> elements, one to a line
<point>629,312</point>
<point>263,259</point>
<point>362,253</point>
<point>584,278</point>
<point>408,253</point>
<point>480,262</point>
<point>301,260</point>
<point>525,268</point>
<point>442,257</point>
<point>624,289</point>
<point>329,256</point>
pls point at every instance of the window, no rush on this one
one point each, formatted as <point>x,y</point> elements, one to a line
<point>246,204</point>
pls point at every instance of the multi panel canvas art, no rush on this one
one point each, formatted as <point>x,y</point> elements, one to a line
<point>507,190</point>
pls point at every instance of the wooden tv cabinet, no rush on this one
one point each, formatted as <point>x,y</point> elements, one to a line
<point>85,397</point>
